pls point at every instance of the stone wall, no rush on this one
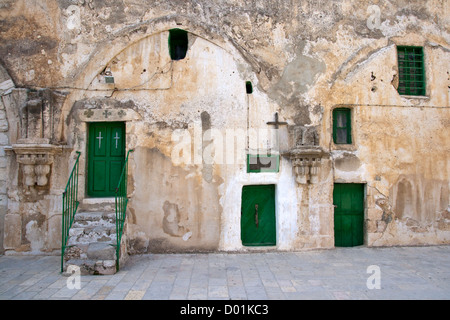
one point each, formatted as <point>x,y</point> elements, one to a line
<point>304,58</point>
<point>6,85</point>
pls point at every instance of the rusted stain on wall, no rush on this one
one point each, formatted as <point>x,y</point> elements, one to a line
<point>173,221</point>
<point>177,207</point>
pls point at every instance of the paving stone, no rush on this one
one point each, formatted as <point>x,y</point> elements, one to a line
<point>179,293</point>
<point>134,295</point>
<point>45,294</point>
<point>198,293</point>
<point>406,273</point>
<point>256,293</point>
<point>217,292</point>
<point>237,292</point>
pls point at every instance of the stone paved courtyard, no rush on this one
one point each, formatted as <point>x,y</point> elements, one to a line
<point>341,273</point>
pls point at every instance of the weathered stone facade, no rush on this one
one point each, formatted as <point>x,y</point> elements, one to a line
<point>191,122</point>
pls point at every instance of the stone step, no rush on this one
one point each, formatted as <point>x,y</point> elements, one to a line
<point>90,249</point>
<point>97,204</point>
<point>89,227</point>
<point>83,236</point>
<point>92,267</point>
<point>94,224</point>
<point>101,251</point>
<point>92,228</point>
<point>89,216</point>
<point>92,241</point>
<point>92,258</point>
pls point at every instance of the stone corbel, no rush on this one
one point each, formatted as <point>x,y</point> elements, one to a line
<point>36,160</point>
<point>307,162</point>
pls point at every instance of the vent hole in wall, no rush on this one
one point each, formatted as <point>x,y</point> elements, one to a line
<point>178,44</point>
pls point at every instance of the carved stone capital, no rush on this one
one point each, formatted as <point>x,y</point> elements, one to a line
<point>307,162</point>
<point>36,161</point>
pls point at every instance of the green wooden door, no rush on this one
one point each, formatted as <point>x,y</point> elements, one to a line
<point>258,215</point>
<point>348,199</point>
<point>106,155</point>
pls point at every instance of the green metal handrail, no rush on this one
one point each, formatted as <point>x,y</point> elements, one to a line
<point>121,198</point>
<point>69,206</point>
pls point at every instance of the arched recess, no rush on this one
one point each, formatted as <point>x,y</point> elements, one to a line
<point>209,93</point>
<point>404,203</point>
<point>105,52</point>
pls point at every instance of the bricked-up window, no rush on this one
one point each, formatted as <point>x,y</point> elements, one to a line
<point>411,70</point>
<point>178,44</point>
<point>342,126</point>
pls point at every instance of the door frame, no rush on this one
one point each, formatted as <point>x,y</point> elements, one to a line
<point>261,246</point>
<point>364,212</point>
<point>88,151</point>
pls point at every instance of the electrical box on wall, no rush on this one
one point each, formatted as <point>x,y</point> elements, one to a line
<point>109,79</point>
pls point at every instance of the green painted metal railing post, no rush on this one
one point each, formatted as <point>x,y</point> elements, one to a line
<point>69,206</point>
<point>121,201</point>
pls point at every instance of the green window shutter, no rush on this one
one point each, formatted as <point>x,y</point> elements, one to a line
<point>411,71</point>
<point>342,126</point>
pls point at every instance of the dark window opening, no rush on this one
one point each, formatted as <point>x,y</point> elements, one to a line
<point>249,87</point>
<point>178,44</point>
<point>342,129</point>
<point>411,71</point>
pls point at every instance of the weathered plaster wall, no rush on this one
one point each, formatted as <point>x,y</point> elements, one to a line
<point>303,57</point>
<point>401,144</point>
<point>6,85</point>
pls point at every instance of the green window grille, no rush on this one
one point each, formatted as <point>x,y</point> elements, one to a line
<point>342,126</point>
<point>411,71</point>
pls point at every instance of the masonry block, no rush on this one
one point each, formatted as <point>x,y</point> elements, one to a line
<point>13,231</point>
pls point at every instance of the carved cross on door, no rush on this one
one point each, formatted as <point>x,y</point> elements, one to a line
<point>99,138</point>
<point>117,138</point>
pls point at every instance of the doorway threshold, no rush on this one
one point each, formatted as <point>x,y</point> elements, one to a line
<point>259,249</point>
<point>108,200</point>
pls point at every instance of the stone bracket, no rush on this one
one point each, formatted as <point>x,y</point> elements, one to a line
<point>307,162</point>
<point>36,161</point>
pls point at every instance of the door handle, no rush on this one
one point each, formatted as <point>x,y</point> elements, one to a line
<point>256,216</point>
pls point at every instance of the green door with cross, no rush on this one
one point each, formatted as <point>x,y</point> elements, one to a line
<point>348,200</point>
<point>106,155</point>
<point>258,215</point>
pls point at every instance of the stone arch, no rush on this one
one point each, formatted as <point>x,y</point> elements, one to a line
<point>104,53</point>
<point>82,107</point>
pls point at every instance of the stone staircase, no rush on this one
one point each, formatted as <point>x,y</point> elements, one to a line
<point>92,238</point>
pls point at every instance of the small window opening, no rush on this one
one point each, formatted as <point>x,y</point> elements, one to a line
<point>411,69</point>
<point>342,130</point>
<point>249,87</point>
<point>178,44</point>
